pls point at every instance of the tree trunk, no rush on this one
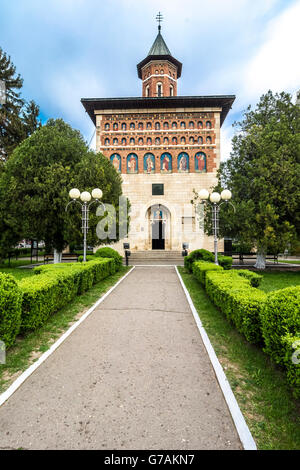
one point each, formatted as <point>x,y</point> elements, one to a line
<point>57,256</point>
<point>260,260</point>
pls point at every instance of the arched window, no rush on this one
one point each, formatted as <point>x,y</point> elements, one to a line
<point>132,163</point>
<point>200,140</point>
<point>192,140</point>
<point>106,142</point>
<point>115,126</point>
<point>174,125</point>
<point>191,125</point>
<point>166,163</point>
<point>148,90</point>
<point>200,162</point>
<point>123,141</point>
<point>149,141</point>
<point>149,163</point>
<point>132,141</point>
<point>141,141</point>
<point>182,140</point>
<point>166,140</point>
<point>116,161</point>
<point>123,126</point>
<point>115,142</point>
<point>132,125</point>
<point>171,90</point>
<point>183,162</point>
<point>159,89</point>
<point>157,125</point>
<point>157,141</point>
<point>200,125</point>
<point>208,124</point>
<point>141,125</point>
<point>208,140</point>
<point>166,125</point>
<point>174,141</point>
<point>182,125</point>
<point>149,125</point>
<point>106,127</point>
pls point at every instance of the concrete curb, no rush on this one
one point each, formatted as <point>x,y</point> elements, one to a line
<point>237,416</point>
<point>21,379</point>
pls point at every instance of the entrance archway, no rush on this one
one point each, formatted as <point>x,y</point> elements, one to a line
<point>159,220</point>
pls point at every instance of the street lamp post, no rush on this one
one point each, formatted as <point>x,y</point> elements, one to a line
<point>214,199</point>
<point>85,197</point>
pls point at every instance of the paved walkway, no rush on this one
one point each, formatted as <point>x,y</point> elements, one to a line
<point>133,375</point>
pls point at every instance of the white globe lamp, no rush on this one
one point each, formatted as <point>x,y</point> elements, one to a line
<point>74,193</point>
<point>226,195</point>
<point>203,194</point>
<point>97,193</point>
<point>85,196</point>
<point>215,198</point>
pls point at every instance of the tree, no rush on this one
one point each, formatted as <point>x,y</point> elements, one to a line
<point>36,180</point>
<point>263,173</point>
<point>18,119</point>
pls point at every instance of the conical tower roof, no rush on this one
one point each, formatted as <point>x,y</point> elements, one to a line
<point>159,51</point>
<point>159,47</point>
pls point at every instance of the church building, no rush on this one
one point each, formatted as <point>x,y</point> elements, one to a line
<point>165,146</point>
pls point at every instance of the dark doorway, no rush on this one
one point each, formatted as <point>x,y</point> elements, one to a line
<point>158,235</point>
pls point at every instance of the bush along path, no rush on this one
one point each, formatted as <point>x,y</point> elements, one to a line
<point>270,320</point>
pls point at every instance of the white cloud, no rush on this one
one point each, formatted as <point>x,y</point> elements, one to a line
<point>276,64</point>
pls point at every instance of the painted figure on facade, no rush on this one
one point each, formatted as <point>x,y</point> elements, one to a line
<point>183,163</point>
<point>200,162</point>
<point>132,163</point>
<point>166,163</point>
<point>149,163</point>
<point>116,161</point>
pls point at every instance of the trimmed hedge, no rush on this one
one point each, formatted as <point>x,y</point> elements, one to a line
<point>238,300</point>
<point>225,261</point>
<point>255,279</point>
<point>280,317</point>
<point>201,268</point>
<point>56,285</point>
<point>10,309</point>
<point>107,252</point>
<point>196,255</point>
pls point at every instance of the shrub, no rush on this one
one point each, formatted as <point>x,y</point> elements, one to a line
<point>254,278</point>
<point>56,285</point>
<point>88,258</point>
<point>196,255</point>
<point>225,261</point>
<point>238,300</point>
<point>200,269</point>
<point>10,309</point>
<point>280,317</point>
<point>107,252</point>
<point>291,345</point>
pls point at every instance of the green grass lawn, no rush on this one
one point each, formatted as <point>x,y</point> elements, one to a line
<point>274,280</point>
<point>28,348</point>
<point>271,412</point>
<point>296,261</point>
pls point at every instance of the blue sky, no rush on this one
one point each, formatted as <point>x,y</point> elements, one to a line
<point>69,49</point>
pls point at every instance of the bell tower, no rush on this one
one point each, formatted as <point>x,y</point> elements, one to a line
<point>159,71</point>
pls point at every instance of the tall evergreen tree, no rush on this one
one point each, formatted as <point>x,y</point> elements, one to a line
<point>18,119</point>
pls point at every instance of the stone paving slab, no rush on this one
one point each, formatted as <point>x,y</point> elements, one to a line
<point>134,375</point>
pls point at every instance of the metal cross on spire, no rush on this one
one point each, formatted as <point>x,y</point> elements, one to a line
<point>159,19</point>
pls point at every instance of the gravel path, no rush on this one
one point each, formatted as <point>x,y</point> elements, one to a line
<point>133,375</point>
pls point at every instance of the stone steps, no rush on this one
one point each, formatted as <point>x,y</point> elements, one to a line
<point>155,255</point>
